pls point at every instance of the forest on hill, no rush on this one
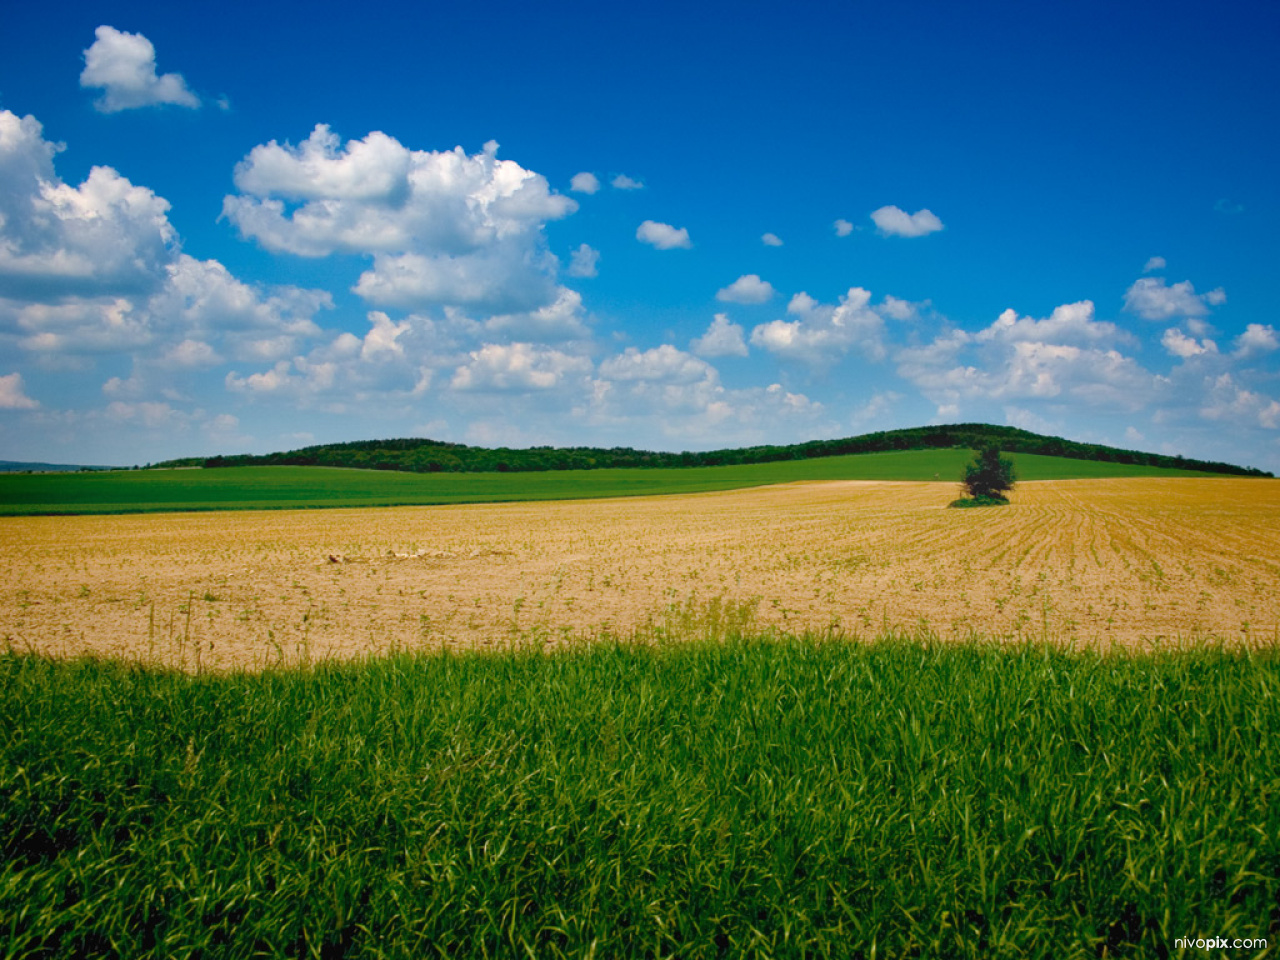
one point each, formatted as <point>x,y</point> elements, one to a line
<point>434,456</point>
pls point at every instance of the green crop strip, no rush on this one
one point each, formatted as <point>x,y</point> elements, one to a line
<point>257,488</point>
<point>768,798</point>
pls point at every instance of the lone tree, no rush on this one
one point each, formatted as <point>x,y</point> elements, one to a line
<point>989,476</point>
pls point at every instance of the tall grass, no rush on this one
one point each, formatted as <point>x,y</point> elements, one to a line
<point>773,798</point>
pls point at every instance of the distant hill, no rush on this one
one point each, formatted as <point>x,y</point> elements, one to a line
<point>434,456</point>
<point>22,466</point>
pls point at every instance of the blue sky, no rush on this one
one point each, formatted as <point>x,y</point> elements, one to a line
<point>248,227</point>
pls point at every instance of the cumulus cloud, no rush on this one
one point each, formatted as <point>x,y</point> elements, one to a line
<point>664,363</point>
<point>583,260</point>
<point>443,227</point>
<point>105,236</point>
<point>1155,263</point>
<point>874,409</point>
<point>896,309</point>
<point>518,368</point>
<point>843,228</point>
<point>685,397</point>
<point>748,288</point>
<point>189,354</point>
<point>502,278</point>
<point>1069,323</point>
<point>623,182</point>
<point>383,336</point>
<point>154,415</point>
<point>123,66</point>
<point>1064,354</point>
<point>1227,400</point>
<point>722,339</point>
<point>894,222</point>
<point>663,236</point>
<point>1180,345</point>
<point>12,394</point>
<point>823,333</point>
<point>562,319</point>
<point>201,298</point>
<point>96,269</point>
<point>1152,299</point>
<point>771,240</point>
<point>1257,338</point>
<point>392,361</point>
<point>585,182</point>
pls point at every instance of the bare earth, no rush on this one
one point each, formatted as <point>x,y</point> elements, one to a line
<point>1133,561</point>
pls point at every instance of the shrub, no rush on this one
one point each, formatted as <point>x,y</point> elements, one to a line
<point>988,478</point>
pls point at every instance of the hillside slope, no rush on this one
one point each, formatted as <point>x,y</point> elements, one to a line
<point>434,456</point>
<point>292,487</point>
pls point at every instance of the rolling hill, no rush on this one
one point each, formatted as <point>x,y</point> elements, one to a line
<point>434,456</point>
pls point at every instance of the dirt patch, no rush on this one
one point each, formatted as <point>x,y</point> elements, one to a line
<point>1093,560</point>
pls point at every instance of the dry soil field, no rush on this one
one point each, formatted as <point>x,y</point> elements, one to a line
<point>1129,560</point>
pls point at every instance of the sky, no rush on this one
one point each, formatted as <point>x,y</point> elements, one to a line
<point>252,227</point>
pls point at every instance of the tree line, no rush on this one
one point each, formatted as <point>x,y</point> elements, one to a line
<point>435,456</point>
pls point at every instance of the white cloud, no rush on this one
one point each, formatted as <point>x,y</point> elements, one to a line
<point>518,368</point>
<point>201,298</point>
<point>560,320</point>
<point>1227,400</point>
<point>12,394</point>
<point>894,222</point>
<point>300,380</point>
<point>664,363</point>
<point>771,240</point>
<point>583,260</point>
<point>748,288</point>
<point>502,278</point>
<point>1029,420</point>
<point>392,361</point>
<point>1257,338</point>
<point>123,65</point>
<point>150,414</point>
<point>443,227</point>
<point>320,168</point>
<point>190,354</point>
<point>1023,358</point>
<point>105,236</point>
<point>96,269</point>
<point>1069,323</point>
<point>1155,263</point>
<point>77,327</point>
<point>897,309</point>
<point>722,339</point>
<point>376,196</point>
<point>584,182</point>
<point>663,235</point>
<point>685,398</point>
<point>843,228</point>
<point>200,315</point>
<point>381,339</point>
<point>823,333</point>
<point>874,409</point>
<point>1180,345</point>
<point>623,182</point>
<point>1152,299</point>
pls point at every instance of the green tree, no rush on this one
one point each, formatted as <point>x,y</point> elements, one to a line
<point>990,475</point>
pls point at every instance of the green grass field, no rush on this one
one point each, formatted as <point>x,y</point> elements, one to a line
<point>732,798</point>
<point>253,488</point>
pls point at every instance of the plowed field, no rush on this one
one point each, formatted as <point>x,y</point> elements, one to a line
<point>1129,560</point>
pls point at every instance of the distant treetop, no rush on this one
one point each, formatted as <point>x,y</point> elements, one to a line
<point>433,456</point>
